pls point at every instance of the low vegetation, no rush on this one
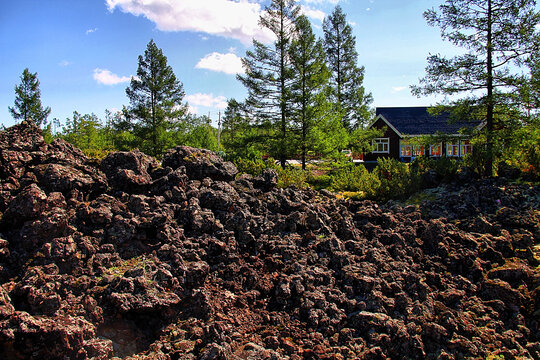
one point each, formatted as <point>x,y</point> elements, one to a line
<point>306,103</point>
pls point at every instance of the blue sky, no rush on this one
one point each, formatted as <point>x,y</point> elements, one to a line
<point>85,51</point>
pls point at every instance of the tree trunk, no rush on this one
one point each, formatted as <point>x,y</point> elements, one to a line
<point>282,152</point>
<point>490,105</point>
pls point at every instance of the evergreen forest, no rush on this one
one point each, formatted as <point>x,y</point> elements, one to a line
<point>306,102</point>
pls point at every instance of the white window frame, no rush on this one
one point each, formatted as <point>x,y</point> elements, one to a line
<point>453,148</point>
<point>381,141</point>
<point>463,145</point>
<point>403,145</point>
<point>431,152</point>
<point>419,150</point>
<point>414,150</point>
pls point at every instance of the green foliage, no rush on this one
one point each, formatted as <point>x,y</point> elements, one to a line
<point>28,100</point>
<point>319,182</point>
<point>252,166</point>
<point>196,131</point>
<point>327,136</point>
<point>522,149</point>
<point>268,77</point>
<point>446,168</point>
<point>495,357</point>
<point>396,181</point>
<point>235,127</point>
<point>347,77</point>
<point>292,176</point>
<point>88,134</point>
<point>311,123</point>
<point>361,140</point>
<point>48,136</point>
<point>155,96</point>
<point>499,37</point>
<point>354,178</point>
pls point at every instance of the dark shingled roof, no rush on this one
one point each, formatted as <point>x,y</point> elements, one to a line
<point>417,121</point>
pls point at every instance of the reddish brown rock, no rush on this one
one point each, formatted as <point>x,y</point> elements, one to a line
<point>136,259</point>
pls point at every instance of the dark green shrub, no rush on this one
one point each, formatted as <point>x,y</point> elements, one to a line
<point>446,168</point>
<point>395,179</point>
<point>354,178</point>
<point>319,182</point>
<point>292,176</point>
<point>253,167</point>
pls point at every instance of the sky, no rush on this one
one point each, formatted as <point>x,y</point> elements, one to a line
<point>85,51</point>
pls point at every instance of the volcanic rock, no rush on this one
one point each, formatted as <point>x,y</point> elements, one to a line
<point>200,163</point>
<point>135,259</point>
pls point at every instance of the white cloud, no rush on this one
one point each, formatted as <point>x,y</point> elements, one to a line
<point>106,77</point>
<point>312,13</point>
<point>193,110</point>
<point>334,2</point>
<point>227,63</point>
<point>228,18</point>
<point>396,89</point>
<point>64,63</point>
<point>206,100</point>
<point>89,31</point>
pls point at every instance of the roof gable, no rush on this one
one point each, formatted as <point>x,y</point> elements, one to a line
<point>418,121</point>
<point>387,123</point>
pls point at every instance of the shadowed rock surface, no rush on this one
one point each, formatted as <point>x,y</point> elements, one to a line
<point>129,258</point>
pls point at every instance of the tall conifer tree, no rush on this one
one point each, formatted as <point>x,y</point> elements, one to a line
<point>268,76</point>
<point>497,35</point>
<point>155,96</point>
<point>347,77</point>
<point>311,81</point>
<point>28,100</point>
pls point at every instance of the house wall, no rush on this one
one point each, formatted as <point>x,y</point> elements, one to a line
<point>394,143</point>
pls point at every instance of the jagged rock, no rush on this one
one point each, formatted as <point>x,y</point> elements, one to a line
<point>132,259</point>
<point>200,163</point>
<point>23,137</point>
<point>66,178</point>
<point>65,337</point>
<point>60,151</point>
<point>28,205</point>
<point>267,180</point>
<point>129,171</point>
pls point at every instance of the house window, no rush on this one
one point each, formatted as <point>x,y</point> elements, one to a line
<point>466,147</point>
<point>418,150</point>
<point>452,148</point>
<point>381,145</point>
<point>410,150</point>
<point>435,150</point>
<point>406,149</point>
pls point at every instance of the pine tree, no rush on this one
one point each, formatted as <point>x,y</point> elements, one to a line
<point>155,97</point>
<point>268,76</point>
<point>28,100</point>
<point>233,121</point>
<point>311,79</point>
<point>497,35</point>
<point>347,77</point>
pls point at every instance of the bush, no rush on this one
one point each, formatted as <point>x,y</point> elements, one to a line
<point>292,176</point>
<point>354,178</point>
<point>286,177</point>
<point>253,167</point>
<point>477,160</point>
<point>446,168</point>
<point>396,181</point>
<point>319,182</point>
